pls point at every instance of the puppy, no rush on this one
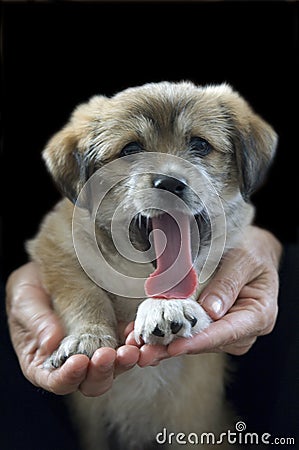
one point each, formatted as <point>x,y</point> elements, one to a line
<point>157,182</point>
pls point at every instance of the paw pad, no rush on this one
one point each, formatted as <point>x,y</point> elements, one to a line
<point>176,327</point>
<point>158,332</point>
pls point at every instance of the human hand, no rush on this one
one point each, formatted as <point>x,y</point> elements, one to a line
<point>241,298</point>
<point>36,331</point>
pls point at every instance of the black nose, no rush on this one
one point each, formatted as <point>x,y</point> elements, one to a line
<point>170,184</point>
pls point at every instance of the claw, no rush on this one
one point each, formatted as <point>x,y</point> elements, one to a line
<point>192,320</point>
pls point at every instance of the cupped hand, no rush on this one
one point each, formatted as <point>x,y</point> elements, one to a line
<point>241,298</point>
<point>35,332</point>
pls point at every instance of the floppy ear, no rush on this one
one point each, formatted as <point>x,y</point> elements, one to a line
<point>255,143</point>
<point>66,163</point>
<point>67,154</point>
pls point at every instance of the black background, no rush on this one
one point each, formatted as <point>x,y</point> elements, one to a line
<point>60,54</point>
<point>56,55</point>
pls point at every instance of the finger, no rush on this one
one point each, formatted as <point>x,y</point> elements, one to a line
<point>219,334</point>
<point>151,355</point>
<point>64,380</point>
<point>29,309</point>
<point>130,340</point>
<point>127,357</point>
<point>128,329</point>
<point>239,348</point>
<point>37,328</point>
<point>223,289</point>
<point>100,374</point>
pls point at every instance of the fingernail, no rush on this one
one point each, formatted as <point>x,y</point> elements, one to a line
<point>213,304</point>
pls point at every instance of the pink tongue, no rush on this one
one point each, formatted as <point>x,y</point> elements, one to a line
<point>174,276</point>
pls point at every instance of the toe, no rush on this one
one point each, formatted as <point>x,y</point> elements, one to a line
<point>175,327</point>
<point>192,320</point>
<point>158,332</point>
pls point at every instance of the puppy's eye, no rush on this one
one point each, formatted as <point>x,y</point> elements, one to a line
<point>130,149</point>
<point>200,146</point>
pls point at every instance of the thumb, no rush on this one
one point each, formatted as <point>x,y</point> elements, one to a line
<point>223,289</point>
<point>39,318</point>
<point>29,310</point>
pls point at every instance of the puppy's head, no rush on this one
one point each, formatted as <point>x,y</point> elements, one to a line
<point>210,129</point>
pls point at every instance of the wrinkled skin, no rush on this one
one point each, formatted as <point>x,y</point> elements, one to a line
<point>241,298</point>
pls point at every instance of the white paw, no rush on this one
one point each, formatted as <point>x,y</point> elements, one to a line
<point>159,321</point>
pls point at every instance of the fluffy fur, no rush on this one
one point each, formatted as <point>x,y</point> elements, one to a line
<point>216,131</point>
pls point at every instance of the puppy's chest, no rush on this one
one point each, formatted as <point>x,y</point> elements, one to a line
<point>125,308</point>
<point>144,383</point>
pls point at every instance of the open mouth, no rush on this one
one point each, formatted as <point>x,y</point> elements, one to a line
<point>174,275</point>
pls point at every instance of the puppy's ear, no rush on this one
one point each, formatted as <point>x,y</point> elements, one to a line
<point>66,163</point>
<point>67,154</point>
<point>255,143</point>
<point>255,149</point>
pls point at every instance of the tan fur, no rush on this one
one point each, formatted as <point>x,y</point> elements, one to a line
<point>184,394</point>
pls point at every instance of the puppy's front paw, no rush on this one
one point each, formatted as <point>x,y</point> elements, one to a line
<point>160,321</point>
<point>84,344</point>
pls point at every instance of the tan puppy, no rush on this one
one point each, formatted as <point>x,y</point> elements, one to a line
<point>167,164</point>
